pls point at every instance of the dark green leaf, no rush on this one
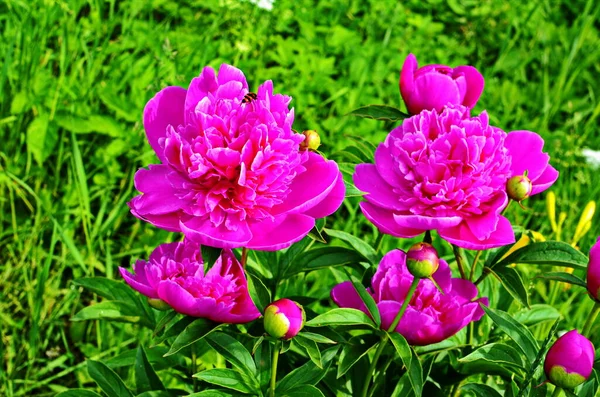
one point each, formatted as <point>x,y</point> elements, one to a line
<point>494,358</point>
<point>308,373</point>
<point>403,387</point>
<point>536,314</point>
<point>410,360</point>
<point>357,347</point>
<point>164,320</point>
<point>324,257</point>
<point>110,310</point>
<point>292,254</point>
<point>564,277</point>
<point>341,317</point>
<point>213,393</point>
<point>316,337</point>
<point>479,390</point>
<point>258,292</point>
<point>145,376</point>
<point>352,190</point>
<point>175,329</point>
<point>311,349</point>
<point>233,351</point>
<point>546,253</point>
<point>516,331</point>
<point>367,299</point>
<point>228,378</point>
<point>379,112</point>
<point>303,391</point>
<point>511,280</point>
<point>590,387</point>
<point>108,380</point>
<point>210,255</point>
<point>197,330</point>
<point>78,393</point>
<point>359,245</point>
<point>155,393</point>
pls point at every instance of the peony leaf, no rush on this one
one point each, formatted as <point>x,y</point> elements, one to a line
<point>341,317</point>
<point>410,360</point>
<point>498,358</point>
<point>367,299</point>
<point>78,393</point>
<point>511,280</point>
<point>480,390</point>
<point>590,387</point>
<point>233,351</point>
<point>546,253</point>
<point>516,331</point>
<point>324,257</point>
<point>210,255</point>
<point>564,277</point>
<point>311,348</point>
<point>212,393</point>
<point>110,310</point>
<point>195,331</point>
<point>357,347</point>
<point>536,314</point>
<point>107,379</point>
<point>309,373</point>
<point>145,376</point>
<point>258,292</point>
<point>228,378</point>
<point>359,245</point>
<point>316,337</point>
<point>303,391</point>
<point>379,112</point>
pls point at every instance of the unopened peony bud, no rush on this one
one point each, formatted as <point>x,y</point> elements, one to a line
<point>593,272</point>
<point>284,319</point>
<point>422,260</point>
<point>158,304</point>
<point>569,361</point>
<point>312,140</point>
<point>518,188</point>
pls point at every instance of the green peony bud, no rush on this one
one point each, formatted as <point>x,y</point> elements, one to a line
<point>422,260</point>
<point>518,188</point>
<point>158,304</point>
<point>284,319</point>
<point>312,140</point>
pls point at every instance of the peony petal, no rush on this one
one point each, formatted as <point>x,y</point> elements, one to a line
<point>385,163</point>
<point>525,148</point>
<point>228,73</point>
<point>280,233</point>
<point>433,91</point>
<point>184,302</point>
<point>380,193</point>
<point>344,295</point>
<point>198,90</point>
<point>384,220</point>
<point>134,282</point>
<point>164,109</point>
<point>202,231</point>
<point>462,236</point>
<point>484,225</point>
<point>426,222</point>
<point>544,181</point>
<point>310,187</point>
<point>475,83</point>
<point>407,77</point>
<point>464,290</point>
<point>159,196</point>
<point>331,203</point>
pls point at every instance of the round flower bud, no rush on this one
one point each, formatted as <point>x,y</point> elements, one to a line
<point>312,140</point>
<point>158,304</point>
<point>519,187</point>
<point>593,272</point>
<point>422,260</point>
<point>284,319</point>
<point>569,361</point>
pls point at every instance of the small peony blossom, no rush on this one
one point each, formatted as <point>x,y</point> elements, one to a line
<point>448,172</point>
<point>518,188</point>
<point>311,141</point>
<point>435,86</point>
<point>284,318</point>
<point>422,260</point>
<point>431,316</point>
<point>232,173</point>
<point>174,276</point>
<point>593,272</point>
<point>570,360</point>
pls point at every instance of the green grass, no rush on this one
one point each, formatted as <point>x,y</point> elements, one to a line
<point>76,75</point>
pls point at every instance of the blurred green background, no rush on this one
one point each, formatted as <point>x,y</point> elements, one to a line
<point>76,75</point>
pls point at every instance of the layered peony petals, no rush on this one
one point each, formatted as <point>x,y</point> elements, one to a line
<point>232,167</point>
<point>175,274</point>
<point>431,316</point>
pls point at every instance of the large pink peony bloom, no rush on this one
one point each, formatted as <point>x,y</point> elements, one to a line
<point>593,271</point>
<point>232,173</point>
<point>430,316</point>
<point>447,172</point>
<point>435,86</point>
<point>175,274</point>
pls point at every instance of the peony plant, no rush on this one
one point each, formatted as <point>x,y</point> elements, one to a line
<point>260,295</point>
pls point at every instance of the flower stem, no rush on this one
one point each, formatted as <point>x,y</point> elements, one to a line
<point>590,321</point>
<point>274,362</point>
<point>194,367</point>
<point>474,265</point>
<point>373,366</point>
<point>409,296</point>
<point>378,242</point>
<point>557,391</point>
<point>485,273</point>
<point>244,257</point>
<point>459,261</point>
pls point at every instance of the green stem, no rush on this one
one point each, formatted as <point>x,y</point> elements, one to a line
<point>274,362</point>
<point>557,391</point>
<point>378,242</point>
<point>244,257</point>
<point>474,265</point>
<point>194,367</point>
<point>459,261</point>
<point>485,273</point>
<point>365,390</point>
<point>590,321</point>
<point>409,296</point>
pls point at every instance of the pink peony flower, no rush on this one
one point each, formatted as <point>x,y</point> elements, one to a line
<point>430,316</point>
<point>593,272</point>
<point>447,172</point>
<point>232,173</point>
<point>175,274</point>
<point>570,360</point>
<point>435,86</point>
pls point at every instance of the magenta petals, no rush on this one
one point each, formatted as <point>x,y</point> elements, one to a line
<point>175,274</point>
<point>233,172</point>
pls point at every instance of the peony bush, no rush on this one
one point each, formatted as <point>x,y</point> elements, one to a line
<point>231,303</point>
